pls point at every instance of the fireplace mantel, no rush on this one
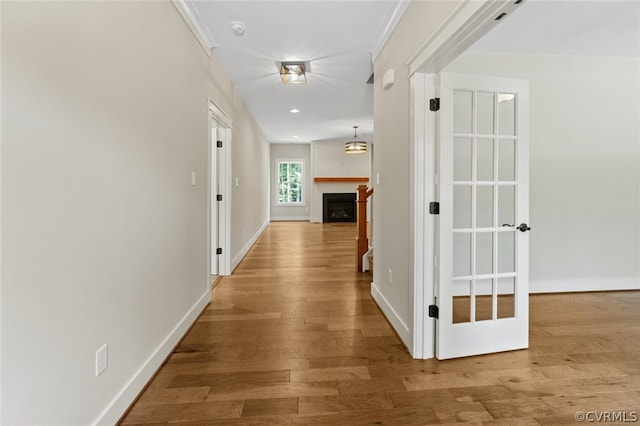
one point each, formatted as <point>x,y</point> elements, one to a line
<point>341,179</point>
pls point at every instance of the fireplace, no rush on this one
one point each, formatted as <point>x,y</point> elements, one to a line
<point>339,207</point>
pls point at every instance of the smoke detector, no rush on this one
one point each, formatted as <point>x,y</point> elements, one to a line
<point>238,27</point>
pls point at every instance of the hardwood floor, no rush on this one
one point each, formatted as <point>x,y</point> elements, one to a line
<point>293,338</point>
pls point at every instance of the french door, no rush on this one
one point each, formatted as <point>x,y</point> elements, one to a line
<point>482,240</point>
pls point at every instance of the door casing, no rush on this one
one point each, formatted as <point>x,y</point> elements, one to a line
<point>468,23</point>
<point>219,169</point>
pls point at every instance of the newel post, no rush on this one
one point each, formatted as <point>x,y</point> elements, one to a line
<point>362,242</point>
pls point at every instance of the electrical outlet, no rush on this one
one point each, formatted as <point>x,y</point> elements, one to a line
<point>390,277</point>
<point>102,360</point>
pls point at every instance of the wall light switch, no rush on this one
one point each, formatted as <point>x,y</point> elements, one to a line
<point>193,178</point>
<point>390,277</point>
<point>377,178</point>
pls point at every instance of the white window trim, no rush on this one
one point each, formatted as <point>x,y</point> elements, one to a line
<point>276,185</point>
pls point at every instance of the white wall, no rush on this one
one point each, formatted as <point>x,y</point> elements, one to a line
<point>291,152</point>
<point>391,207</point>
<point>250,187</point>
<point>329,160</point>
<point>104,239</point>
<point>585,166</point>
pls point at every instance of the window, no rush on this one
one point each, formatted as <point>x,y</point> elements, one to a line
<point>290,181</point>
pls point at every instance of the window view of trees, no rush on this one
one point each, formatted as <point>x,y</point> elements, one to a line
<point>290,182</point>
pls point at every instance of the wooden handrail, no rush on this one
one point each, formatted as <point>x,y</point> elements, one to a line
<point>362,242</point>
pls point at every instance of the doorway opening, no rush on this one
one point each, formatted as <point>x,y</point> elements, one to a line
<point>219,191</point>
<point>467,25</point>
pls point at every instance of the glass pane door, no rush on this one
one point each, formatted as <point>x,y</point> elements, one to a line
<point>484,191</point>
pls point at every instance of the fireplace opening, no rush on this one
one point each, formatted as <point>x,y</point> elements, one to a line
<point>339,207</point>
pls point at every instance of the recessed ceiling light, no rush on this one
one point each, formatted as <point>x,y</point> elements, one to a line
<point>294,111</point>
<point>295,136</point>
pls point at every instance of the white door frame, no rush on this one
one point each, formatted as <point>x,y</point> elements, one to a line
<point>468,23</point>
<point>218,117</point>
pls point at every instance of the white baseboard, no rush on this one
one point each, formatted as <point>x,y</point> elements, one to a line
<point>588,284</point>
<point>316,220</point>
<point>396,322</point>
<point>236,260</point>
<point>290,218</point>
<point>130,391</point>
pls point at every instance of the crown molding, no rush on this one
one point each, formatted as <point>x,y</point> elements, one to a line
<point>195,22</point>
<point>392,19</point>
<point>468,22</point>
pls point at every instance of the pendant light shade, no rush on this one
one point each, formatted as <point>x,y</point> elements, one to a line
<point>355,146</point>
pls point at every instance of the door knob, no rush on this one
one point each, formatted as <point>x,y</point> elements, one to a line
<point>524,227</point>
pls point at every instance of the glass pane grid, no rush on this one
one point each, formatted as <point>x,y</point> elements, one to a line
<point>478,182</point>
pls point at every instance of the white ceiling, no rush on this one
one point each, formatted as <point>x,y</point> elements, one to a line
<point>568,27</point>
<point>339,38</point>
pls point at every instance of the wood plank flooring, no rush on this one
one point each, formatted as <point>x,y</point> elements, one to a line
<point>294,338</point>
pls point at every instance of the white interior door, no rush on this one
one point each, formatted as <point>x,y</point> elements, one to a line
<point>220,198</point>
<point>482,246</point>
<point>214,208</point>
<point>219,210</point>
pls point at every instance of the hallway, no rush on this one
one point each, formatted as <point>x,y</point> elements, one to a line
<point>293,338</point>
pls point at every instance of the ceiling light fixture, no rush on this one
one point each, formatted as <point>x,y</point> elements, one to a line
<point>294,111</point>
<point>292,72</point>
<point>355,146</point>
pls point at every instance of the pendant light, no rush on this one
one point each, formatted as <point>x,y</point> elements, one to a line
<point>355,146</point>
